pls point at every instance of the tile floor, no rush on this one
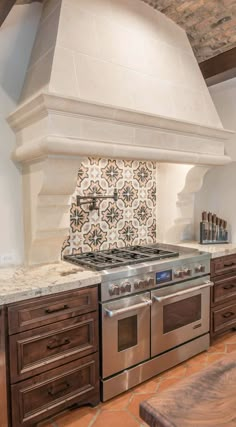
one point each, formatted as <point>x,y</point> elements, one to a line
<point>124,409</point>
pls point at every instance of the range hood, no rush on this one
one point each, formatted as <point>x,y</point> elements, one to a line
<point>107,78</point>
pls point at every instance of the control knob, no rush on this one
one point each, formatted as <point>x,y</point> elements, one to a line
<point>151,281</point>
<point>114,290</point>
<point>200,268</point>
<point>125,287</point>
<point>178,274</point>
<point>136,285</point>
<point>187,272</point>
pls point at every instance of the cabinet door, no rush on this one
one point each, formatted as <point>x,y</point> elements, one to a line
<point>223,265</point>
<point>224,318</point>
<point>44,348</point>
<point>45,310</point>
<point>48,393</point>
<point>224,289</point>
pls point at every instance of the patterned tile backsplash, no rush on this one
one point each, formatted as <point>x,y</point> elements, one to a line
<point>129,221</point>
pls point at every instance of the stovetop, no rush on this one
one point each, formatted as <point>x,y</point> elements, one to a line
<point>103,260</point>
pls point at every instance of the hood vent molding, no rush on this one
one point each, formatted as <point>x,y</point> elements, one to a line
<point>88,129</point>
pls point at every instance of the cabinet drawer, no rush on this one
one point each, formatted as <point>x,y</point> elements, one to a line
<point>223,265</point>
<point>224,289</point>
<point>224,318</point>
<point>44,348</point>
<point>48,393</point>
<point>46,310</point>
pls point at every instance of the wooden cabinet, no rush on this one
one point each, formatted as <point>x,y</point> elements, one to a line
<point>52,391</point>
<point>223,295</point>
<point>52,362</point>
<point>47,310</point>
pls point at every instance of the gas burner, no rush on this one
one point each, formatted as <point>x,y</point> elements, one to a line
<point>103,260</point>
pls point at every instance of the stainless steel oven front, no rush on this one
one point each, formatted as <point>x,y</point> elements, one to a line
<point>125,333</point>
<point>179,313</point>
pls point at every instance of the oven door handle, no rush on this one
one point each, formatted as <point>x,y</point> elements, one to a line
<point>186,291</point>
<point>113,313</point>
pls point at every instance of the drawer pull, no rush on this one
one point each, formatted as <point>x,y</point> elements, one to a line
<point>229,264</point>
<point>227,315</point>
<point>55,310</point>
<point>53,392</point>
<point>52,347</point>
<point>228,287</point>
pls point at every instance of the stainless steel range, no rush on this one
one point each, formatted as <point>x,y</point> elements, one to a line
<point>154,310</point>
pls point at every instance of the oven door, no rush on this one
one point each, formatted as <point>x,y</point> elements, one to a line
<point>179,313</point>
<point>125,333</point>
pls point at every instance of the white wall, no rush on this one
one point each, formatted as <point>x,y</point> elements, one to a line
<point>16,38</point>
<point>218,193</point>
<point>224,98</point>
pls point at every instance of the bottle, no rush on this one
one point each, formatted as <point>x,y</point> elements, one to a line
<point>210,226</point>
<point>225,231</point>
<point>204,228</point>
<point>214,227</point>
<point>221,230</point>
<point>217,229</point>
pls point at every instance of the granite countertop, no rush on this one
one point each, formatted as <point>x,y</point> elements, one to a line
<point>21,283</point>
<point>216,251</point>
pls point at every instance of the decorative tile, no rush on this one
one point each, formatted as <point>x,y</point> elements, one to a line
<point>129,221</point>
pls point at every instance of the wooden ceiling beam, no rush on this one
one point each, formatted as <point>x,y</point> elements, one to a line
<point>219,68</point>
<point>5,7</point>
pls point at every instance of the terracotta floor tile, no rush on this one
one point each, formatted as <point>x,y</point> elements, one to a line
<point>167,382</point>
<point>230,348</point>
<point>45,424</point>
<point>80,417</point>
<point>217,348</point>
<point>213,357</point>
<point>200,358</point>
<point>231,339</point>
<point>133,406</point>
<point>147,387</point>
<point>194,368</point>
<point>118,403</point>
<point>176,372</point>
<point>115,419</point>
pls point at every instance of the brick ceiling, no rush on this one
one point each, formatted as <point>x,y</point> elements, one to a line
<point>210,24</point>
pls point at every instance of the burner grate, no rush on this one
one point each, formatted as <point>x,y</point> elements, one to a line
<point>102,260</point>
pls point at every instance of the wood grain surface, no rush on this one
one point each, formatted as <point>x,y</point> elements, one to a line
<point>206,399</point>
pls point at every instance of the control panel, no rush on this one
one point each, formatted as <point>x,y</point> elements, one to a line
<point>132,285</point>
<point>154,279</point>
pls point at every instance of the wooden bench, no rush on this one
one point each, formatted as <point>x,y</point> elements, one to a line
<point>205,399</point>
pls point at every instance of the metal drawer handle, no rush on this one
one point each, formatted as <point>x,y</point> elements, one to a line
<point>228,287</point>
<point>113,313</point>
<point>186,291</point>
<point>227,315</point>
<point>55,310</point>
<point>52,392</point>
<point>52,347</point>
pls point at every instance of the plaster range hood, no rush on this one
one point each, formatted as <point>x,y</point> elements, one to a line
<point>110,79</point>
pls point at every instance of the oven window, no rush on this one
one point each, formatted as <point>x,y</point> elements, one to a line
<point>127,333</point>
<point>181,313</point>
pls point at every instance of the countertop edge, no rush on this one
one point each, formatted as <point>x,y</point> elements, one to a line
<point>215,251</point>
<point>15,296</point>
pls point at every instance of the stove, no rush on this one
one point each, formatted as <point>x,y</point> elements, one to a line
<point>113,258</point>
<point>154,310</point>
